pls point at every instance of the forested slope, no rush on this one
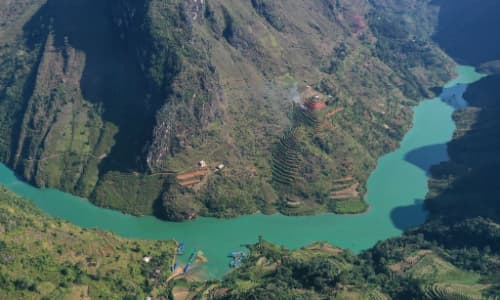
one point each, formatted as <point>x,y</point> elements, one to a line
<point>44,258</point>
<point>454,255</point>
<point>118,100</point>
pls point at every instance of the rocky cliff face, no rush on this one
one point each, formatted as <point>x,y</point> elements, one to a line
<point>118,100</point>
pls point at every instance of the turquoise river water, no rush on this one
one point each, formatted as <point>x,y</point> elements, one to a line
<point>396,190</point>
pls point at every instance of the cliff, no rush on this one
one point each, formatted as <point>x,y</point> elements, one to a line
<point>116,100</point>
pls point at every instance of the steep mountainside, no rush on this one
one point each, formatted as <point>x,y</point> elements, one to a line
<point>468,31</point>
<point>118,100</point>
<point>409,267</point>
<point>455,254</point>
<point>43,258</point>
<point>465,188</point>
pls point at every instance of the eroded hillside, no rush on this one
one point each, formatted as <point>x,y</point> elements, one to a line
<point>119,100</point>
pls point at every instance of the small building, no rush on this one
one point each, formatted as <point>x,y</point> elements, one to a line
<point>315,103</point>
<point>147,259</point>
<point>202,164</point>
<point>312,99</point>
<point>220,167</point>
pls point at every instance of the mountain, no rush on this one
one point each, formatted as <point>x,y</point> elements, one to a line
<point>44,258</point>
<point>468,31</point>
<point>403,268</point>
<point>464,188</point>
<point>454,255</point>
<point>119,100</point>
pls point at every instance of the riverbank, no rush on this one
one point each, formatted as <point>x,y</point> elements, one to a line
<point>467,185</point>
<point>45,258</point>
<point>396,190</point>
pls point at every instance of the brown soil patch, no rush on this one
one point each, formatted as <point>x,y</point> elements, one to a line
<point>332,250</point>
<point>340,186</point>
<point>349,192</point>
<point>411,260</point>
<point>180,293</point>
<point>177,272</point>
<point>334,112</point>
<point>408,262</point>
<point>396,268</point>
<point>347,178</point>
<point>201,257</point>
<point>221,292</point>
<point>424,252</point>
<point>192,174</point>
<point>261,261</point>
<point>293,203</point>
<point>190,182</point>
<point>326,247</point>
<point>270,267</point>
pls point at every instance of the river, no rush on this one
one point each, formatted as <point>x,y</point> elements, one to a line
<point>396,190</point>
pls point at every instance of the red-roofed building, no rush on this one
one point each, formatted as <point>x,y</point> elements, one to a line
<point>315,104</point>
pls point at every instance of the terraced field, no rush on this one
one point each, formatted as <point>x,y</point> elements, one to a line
<point>437,292</point>
<point>286,158</point>
<point>286,161</point>
<point>307,118</point>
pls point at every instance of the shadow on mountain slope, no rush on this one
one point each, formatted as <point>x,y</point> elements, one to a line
<point>425,157</point>
<point>469,32</point>
<point>467,185</point>
<point>404,217</point>
<point>112,77</point>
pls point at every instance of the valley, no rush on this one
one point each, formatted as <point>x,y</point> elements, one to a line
<point>227,149</point>
<point>113,110</point>
<point>396,190</point>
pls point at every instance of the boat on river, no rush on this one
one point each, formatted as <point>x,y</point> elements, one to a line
<point>237,254</point>
<point>180,249</point>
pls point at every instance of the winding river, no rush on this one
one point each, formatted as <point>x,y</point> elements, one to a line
<point>396,190</point>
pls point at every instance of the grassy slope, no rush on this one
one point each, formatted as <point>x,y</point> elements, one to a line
<point>43,258</point>
<point>453,256</point>
<point>404,268</point>
<point>351,142</point>
<point>223,97</point>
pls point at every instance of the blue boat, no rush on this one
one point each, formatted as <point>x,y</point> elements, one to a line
<point>186,268</point>
<point>180,249</point>
<point>175,266</point>
<point>236,254</point>
<point>235,263</point>
<point>193,255</point>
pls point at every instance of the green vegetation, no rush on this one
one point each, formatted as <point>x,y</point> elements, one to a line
<point>454,255</point>
<point>267,9</point>
<point>151,88</point>
<point>228,103</point>
<point>43,258</point>
<point>404,268</point>
<point>286,158</point>
<point>136,191</point>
